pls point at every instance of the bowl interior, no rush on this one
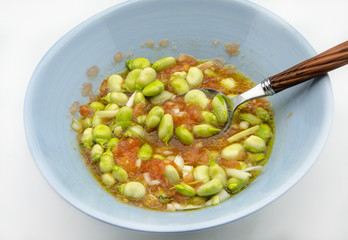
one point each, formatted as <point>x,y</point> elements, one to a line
<point>268,46</point>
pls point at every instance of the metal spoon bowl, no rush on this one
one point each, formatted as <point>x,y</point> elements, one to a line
<point>313,67</point>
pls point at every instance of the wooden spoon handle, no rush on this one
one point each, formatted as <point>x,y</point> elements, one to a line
<point>329,60</point>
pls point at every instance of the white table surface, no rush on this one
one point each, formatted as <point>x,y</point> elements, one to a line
<point>316,208</point>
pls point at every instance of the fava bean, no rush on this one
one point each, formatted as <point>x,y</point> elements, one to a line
<point>136,131</point>
<point>112,143</point>
<point>210,118</point>
<point>209,188</point>
<point>101,134</point>
<point>171,173</point>
<point>232,151</point>
<point>119,173</point>
<point>141,119</point>
<point>161,97</point>
<point>205,130</point>
<point>134,190</point>
<point>96,152</point>
<point>251,118</point>
<point>255,144</point>
<point>166,128</point>
<point>235,184</point>
<point>87,137</point>
<point>138,63</point>
<point>97,106</point>
<point>108,180</point>
<point>131,79</point>
<point>217,172</point>
<point>179,85</point>
<point>198,97</point>
<point>111,106</point>
<point>114,83</point>
<point>153,88</point>
<point>106,162</point>
<point>184,135</point>
<point>185,189</point>
<point>201,173</point>
<point>228,83</point>
<point>147,76</point>
<point>139,98</point>
<point>264,132</point>
<point>117,97</point>
<point>154,117</point>
<point>220,108</point>
<point>124,117</point>
<point>163,63</point>
<point>145,152</point>
<point>263,114</point>
<point>194,77</point>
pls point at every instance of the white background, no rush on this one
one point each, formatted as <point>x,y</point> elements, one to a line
<point>316,208</point>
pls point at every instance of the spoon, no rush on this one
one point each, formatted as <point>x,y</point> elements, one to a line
<point>313,67</point>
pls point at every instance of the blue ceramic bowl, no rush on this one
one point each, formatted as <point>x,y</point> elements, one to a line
<point>268,46</point>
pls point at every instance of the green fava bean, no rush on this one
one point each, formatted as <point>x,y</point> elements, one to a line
<point>179,85</point>
<point>96,152</point>
<point>131,79</point>
<point>184,135</point>
<point>101,134</point>
<point>114,83</point>
<point>108,180</point>
<point>251,118</point>
<point>97,106</point>
<point>124,117</point>
<point>201,173</point>
<point>255,144</point>
<point>185,189</point>
<point>205,130</point>
<point>235,184</point>
<point>111,107</point>
<point>163,63</point>
<point>119,173</point>
<point>153,88</point>
<point>147,76</point>
<point>262,113</point>
<point>138,63</point>
<point>139,98</point>
<point>198,97</point>
<point>112,143</point>
<point>220,108</point>
<point>232,151</point>
<point>87,137</point>
<point>141,119</point>
<point>162,97</point>
<point>117,97</point>
<point>136,131</point>
<point>209,188</point>
<point>106,162</point>
<point>154,117</point>
<point>264,132</point>
<point>171,173</point>
<point>217,172</point>
<point>194,77</point>
<point>166,128</point>
<point>145,152</point>
<point>210,118</point>
<point>134,190</point>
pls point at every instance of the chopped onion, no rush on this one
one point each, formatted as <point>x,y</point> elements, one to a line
<point>231,172</point>
<point>179,161</point>
<point>130,102</point>
<point>253,168</point>
<point>138,162</point>
<point>178,206</point>
<point>149,181</point>
<point>186,170</point>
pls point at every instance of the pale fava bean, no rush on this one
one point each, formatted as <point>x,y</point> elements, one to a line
<point>161,97</point>
<point>108,179</point>
<point>198,97</point>
<point>119,173</point>
<point>232,151</point>
<point>164,63</point>
<point>117,97</point>
<point>154,117</point>
<point>179,85</point>
<point>201,173</point>
<point>194,77</point>
<point>134,190</point>
<point>101,134</point>
<point>166,128</point>
<point>217,172</point>
<point>220,108</point>
<point>205,130</point>
<point>87,137</point>
<point>138,63</point>
<point>114,83</point>
<point>96,152</point>
<point>130,81</point>
<point>185,189</point>
<point>171,174</point>
<point>209,188</point>
<point>106,162</point>
<point>145,152</point>
<point>147,76</point>
<point>255,144</point>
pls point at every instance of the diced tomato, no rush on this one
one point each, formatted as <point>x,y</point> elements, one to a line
<point>155,167</point>
<point>196,156</point>
<point>85,111</point>
<point>125,155</point>
<point>194,112</point>
<point>138,110</point>
<point>230,163</point>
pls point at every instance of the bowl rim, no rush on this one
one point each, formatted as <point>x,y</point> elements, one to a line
<point>170,228</point>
